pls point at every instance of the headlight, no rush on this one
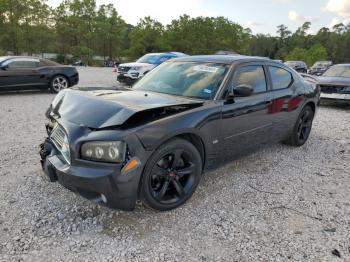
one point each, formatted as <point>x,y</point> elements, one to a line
<point>65,150</point>
<point>104,151</point>
<point>136,68</point>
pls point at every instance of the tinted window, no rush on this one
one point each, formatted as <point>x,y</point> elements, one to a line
<point>45,62</point>
<point>253,76</point>
<point>17,63</point>
<point>280,77</point>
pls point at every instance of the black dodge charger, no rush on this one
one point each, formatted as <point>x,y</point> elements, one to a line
<point>23,73</point>
<point>154,141</point>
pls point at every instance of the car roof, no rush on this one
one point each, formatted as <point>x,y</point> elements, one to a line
<point>225,59</point>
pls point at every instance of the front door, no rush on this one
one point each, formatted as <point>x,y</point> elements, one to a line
<point>246,123</point>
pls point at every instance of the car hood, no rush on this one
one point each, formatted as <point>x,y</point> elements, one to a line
<point>137,64</point>
<point>327,80</point>
<point>106,108</point>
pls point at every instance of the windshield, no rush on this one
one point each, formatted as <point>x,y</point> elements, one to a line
<point>149,59</point>
<point>189,79</point>
<point>338,71</point>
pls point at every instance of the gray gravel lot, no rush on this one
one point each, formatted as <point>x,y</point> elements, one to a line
<point>277,204</point>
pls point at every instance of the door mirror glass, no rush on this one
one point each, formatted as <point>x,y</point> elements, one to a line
<point>243,90</point>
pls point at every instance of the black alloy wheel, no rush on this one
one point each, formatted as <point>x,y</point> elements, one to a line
<point>302,128</point>
<point>172,175</point>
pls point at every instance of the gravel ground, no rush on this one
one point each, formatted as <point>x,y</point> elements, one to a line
<point>278,204</point>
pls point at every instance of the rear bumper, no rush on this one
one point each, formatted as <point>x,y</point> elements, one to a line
<point>101,184</point>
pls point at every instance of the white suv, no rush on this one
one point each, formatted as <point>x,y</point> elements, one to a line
<point>130,72</point>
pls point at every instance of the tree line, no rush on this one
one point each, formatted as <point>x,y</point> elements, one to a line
<point>83,29</point>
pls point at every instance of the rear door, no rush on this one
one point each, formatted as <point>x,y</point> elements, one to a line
<point>246,122</point>
<point>286,98</point>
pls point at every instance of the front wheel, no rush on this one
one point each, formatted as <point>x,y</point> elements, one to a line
<point>302,128</point>
<point>58,83</point>
<point>171,175</point>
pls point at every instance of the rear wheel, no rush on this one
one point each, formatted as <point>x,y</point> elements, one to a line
<point>171,175</point>
<point>58,83</point>
<point>302,128</point>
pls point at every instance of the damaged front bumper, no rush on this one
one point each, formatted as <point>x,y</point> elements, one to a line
<point>103,183</point>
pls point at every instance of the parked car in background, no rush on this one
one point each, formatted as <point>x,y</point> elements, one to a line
<point>335,83</point>
<point>111,63</point>
<point>298,66</point>
<point>21,72</point>
<point>319,67</point>
<point>129,73</point>
<point>189,114</point>
<point>78,63</point>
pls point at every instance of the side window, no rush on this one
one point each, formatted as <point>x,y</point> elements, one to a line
<point>22,64</point>
<point>253,76</point>
<point>280,77</point>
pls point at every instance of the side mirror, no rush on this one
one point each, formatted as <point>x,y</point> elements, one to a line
<point>243,90</point>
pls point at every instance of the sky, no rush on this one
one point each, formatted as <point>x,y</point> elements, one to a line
<point>262,16</point>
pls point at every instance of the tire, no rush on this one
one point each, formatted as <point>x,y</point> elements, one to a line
<point>58,83</point>
<point>171,175</point>
<point>302,128</point>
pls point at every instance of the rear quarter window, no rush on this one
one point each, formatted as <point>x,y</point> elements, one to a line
<point>280,77</point>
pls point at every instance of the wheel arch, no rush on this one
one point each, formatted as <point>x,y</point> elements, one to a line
<point>191,136</point>
<point>198,143</point>
<point>312,105</point>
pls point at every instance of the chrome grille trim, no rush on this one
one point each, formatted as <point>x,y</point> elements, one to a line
<point>57,136</point>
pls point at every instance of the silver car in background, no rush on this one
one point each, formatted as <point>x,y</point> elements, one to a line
<point>335,83</point>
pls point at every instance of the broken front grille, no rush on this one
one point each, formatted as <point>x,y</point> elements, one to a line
<point>329,89</point>
<point>57,136</point>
